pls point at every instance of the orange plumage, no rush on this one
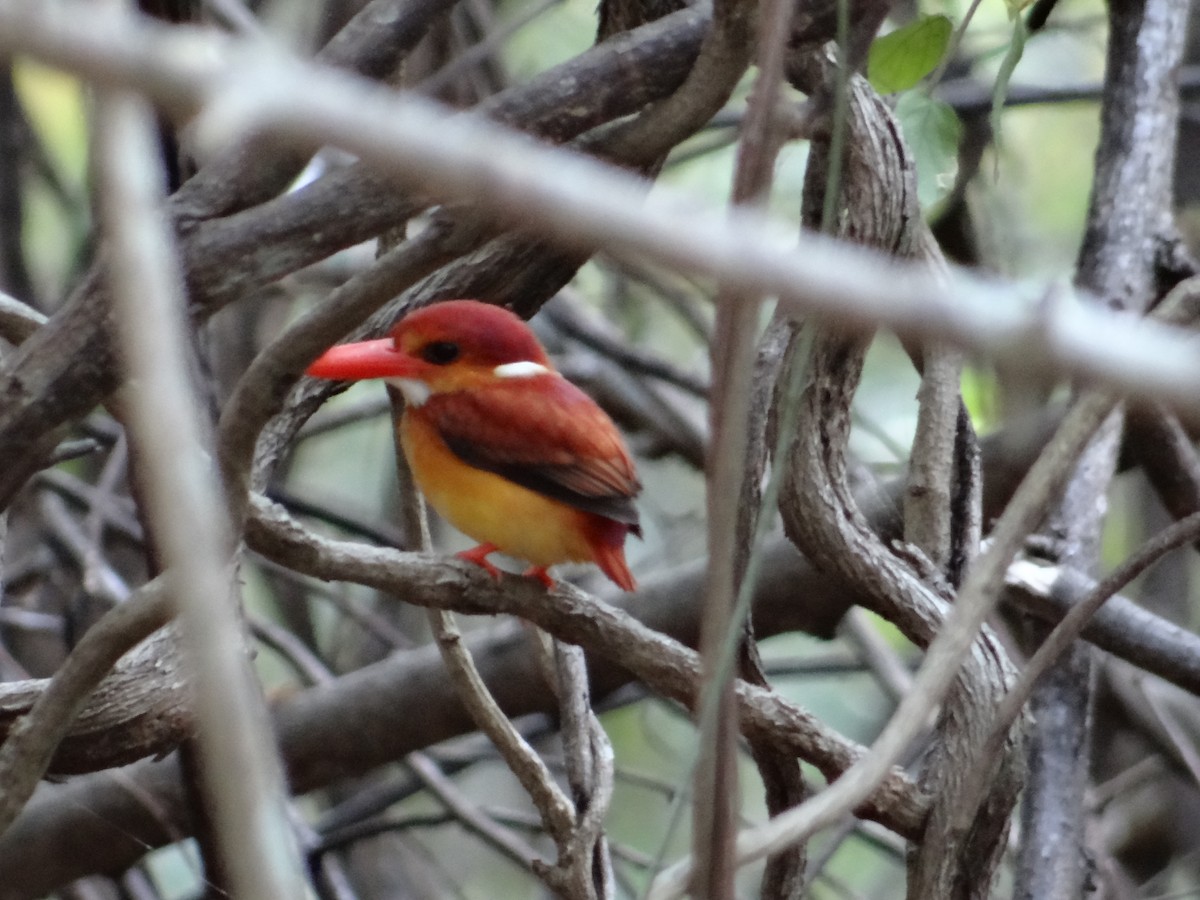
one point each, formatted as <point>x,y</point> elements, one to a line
<point>503,447</point>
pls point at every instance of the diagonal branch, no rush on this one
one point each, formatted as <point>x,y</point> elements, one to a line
<point>186,518</point>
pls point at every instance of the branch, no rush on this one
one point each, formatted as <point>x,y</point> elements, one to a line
<point>522,760</point>
<point>65,832</point>
<point>71,365</point>
<point>743,381</point>
<point>185,516</point>
<point>1064,633</point>
<point>371,44</point>
<point>877,204</point>
<point>945,653</point>
<point>575,201</point>
<point>1129,218</point>
<point>1121,627</point>
<point>30,744</point>
<point>588,760</point>
<point>731,526</point>
<point>666,667</point>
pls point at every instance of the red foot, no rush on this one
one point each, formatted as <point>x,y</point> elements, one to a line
<point>478,555</point>
<point>540,573</point>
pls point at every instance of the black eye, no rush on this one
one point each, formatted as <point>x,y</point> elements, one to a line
<point>440,353</point>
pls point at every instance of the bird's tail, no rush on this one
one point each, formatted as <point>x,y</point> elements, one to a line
<point>611,560</point>
<point>606,540</point>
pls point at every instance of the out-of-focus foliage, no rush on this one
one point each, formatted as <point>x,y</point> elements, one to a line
<point>933,131</point>
<point>57,218</point>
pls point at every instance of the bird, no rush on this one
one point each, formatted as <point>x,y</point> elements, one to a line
<point>504,447</point>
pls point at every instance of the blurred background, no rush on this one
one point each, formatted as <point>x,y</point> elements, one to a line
<point>1005,171</point>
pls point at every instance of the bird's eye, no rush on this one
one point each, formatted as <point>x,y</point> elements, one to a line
<point>440,353</point>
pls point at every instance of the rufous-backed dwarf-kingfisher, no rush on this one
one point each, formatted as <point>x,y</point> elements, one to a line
<point>503,447</point>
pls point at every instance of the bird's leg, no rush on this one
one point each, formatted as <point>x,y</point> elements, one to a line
<point>540,573</point>
<point>479,555</point>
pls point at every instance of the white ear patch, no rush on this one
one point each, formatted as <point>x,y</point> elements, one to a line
<point>415,392</point>
<point>522,369</point>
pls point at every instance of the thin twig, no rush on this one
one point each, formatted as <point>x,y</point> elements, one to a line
<point>588,757</point>
<point>100,580</point>
<point>184,511</point>
<point>567,316</point>
<point>730,501</point>
<point>522,759</point>
<point>885,663</point>
<point>471,816</point>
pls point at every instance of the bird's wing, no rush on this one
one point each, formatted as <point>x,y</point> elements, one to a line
<point>544,434</point>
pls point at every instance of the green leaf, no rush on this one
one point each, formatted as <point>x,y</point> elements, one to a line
<point>897,61</point>
<point>932,131</point>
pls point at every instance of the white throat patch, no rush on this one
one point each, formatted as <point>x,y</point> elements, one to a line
<point>415,392</point>
<point>522,369</point>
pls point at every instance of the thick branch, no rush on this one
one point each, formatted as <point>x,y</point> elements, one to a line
<point>1129,218</point>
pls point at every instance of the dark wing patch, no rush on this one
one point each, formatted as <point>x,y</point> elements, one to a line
<point>546,435</point>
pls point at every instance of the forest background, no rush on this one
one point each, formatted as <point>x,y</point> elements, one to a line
<point>961,263</point>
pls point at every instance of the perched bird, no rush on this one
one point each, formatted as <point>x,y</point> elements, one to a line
<point>502,446</point>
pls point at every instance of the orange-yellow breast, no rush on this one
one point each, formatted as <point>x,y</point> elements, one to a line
<point>492,509</point>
